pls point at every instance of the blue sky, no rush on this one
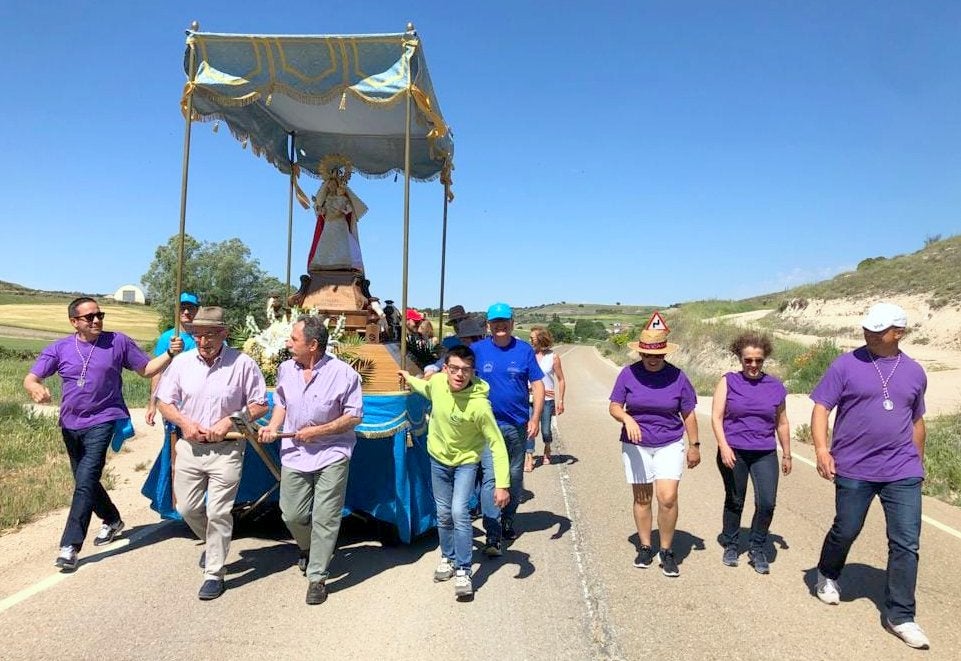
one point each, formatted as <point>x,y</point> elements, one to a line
<point>641,152</point>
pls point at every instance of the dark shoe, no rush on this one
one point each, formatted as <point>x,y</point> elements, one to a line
<point>211,589</point>
<point>108,533</point>
<point>493,550</point>
<point>508,533</point>
<point>669,564</point>
<point>316,593</point>
<point>730,555</point>
<point>302,561</point>
<point>757,559</point>
<point>645,557</point>
<point>203,560</point>
<point>67,559</point>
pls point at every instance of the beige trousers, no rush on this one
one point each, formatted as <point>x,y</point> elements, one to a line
<point>211,470</point>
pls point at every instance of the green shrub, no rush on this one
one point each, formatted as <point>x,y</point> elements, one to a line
<point>942,459</point>
<point>808,368</point>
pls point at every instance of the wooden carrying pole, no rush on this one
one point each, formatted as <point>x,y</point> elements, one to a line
<point>443,267</point>
<point>188,117</point>
<point>290,214</point>
<point>403,301</point>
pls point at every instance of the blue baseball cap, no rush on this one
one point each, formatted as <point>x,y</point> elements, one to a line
<point>499,311</point>
<point>190,299</point>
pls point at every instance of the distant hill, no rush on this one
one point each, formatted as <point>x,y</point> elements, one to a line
<point>11,292</point>
<point>934,272</point>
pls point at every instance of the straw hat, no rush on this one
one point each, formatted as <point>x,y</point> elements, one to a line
<point>653,342</point>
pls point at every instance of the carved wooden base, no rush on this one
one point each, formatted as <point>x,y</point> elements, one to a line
<point>336,293</point>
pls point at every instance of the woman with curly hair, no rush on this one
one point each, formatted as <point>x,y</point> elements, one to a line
<point>747,412</point>
<point>554,388</point>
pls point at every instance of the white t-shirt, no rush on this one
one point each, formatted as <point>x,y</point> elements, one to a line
<point>546,362</point>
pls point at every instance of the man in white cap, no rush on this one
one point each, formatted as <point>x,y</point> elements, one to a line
<point>198,394</point>
<point>877,450</point>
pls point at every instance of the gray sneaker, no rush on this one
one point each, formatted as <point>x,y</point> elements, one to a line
<point>757,559</point>
<point>730,555</point>
<point>828,590</point>
<point>67,559</point>
<point>444,571</point>
<point>108,533</point>
<point>463,588</point>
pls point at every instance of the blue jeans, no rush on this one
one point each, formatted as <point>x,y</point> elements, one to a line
<point>762,468</point>
<point>515,437</point>
<point>546,435</point>
<point>87,449</point>
<point>901,501</point>
<point>453,486</point>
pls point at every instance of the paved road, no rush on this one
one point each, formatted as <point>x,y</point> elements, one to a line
<point>566,589</point>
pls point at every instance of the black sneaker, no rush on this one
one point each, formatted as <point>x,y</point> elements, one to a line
<point>211,589</point>
<point>493,550</point>
<point>757,559</point>
<point>203,560</point>
<point>67,558</point>
<point>730,555</point>
<point>316,593</point>
<point>669,564</point>
<point>302,560</point>
<point>508,533</point>
<point>645,557</point>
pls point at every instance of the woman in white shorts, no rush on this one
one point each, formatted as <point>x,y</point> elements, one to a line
<point>655,401</point>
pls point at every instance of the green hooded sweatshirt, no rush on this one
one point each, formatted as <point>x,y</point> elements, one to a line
<point>460,423</point>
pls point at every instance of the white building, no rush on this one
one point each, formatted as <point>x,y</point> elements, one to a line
<point>129,294</point>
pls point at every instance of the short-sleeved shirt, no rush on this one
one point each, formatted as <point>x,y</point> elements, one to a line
<point>870,443</point>
<point>333,391</point>
<point>163,342</point>
<point>100,399</point>
<point>656,401</point>
<point>507,370</point>
<point>750,410</point>
<point>208,393</point>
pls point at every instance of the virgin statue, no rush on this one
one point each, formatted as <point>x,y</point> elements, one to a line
<point>336,246</point>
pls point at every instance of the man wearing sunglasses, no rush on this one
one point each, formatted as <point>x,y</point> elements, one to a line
<point>90,364</point>
<point>189,303</point>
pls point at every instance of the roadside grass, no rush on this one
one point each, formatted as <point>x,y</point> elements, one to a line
<point>21,344</point>
<point>137,321</point>
<point>942,458</point>
<point>136,390</point>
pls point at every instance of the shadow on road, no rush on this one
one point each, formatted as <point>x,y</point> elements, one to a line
<point>526,522</point>
<point>490,565</point>
<point>140,537</point>
<point>558,460</point>
<point>858,581</point>
<point>774,543</point>
<point>684,543</point>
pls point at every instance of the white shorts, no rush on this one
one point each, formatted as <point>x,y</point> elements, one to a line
<point>644,464</point>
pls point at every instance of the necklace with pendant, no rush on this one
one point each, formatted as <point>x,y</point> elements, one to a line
<point>887,403</point>
<point>84,361</point>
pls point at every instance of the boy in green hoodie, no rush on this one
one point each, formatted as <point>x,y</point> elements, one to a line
<point>461,423</point>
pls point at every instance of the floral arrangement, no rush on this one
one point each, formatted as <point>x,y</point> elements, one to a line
<point>268,346</point>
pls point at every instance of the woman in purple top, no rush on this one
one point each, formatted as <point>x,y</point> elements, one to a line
<point>747,410</point>
<point>654,401</point>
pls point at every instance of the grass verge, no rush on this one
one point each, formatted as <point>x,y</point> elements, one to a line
<point>13,367</point>
<point>942,459</point>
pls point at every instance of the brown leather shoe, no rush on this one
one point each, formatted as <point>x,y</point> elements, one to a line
<point>316,593</point>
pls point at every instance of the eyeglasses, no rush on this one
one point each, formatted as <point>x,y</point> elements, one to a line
<point>752,361</point>
<point>453,369</point>
<point>209,335</point>
<point>91,316</point>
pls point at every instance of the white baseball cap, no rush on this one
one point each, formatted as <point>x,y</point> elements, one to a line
<point>882,316</point>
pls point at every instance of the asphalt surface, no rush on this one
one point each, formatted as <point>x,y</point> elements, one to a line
<point>565,589</point>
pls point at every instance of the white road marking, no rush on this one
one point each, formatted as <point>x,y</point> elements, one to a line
<point>54,579</point>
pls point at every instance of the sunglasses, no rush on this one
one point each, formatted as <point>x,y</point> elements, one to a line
<point>91,316</point>
<point>206,335</point>
<point>752,361</point>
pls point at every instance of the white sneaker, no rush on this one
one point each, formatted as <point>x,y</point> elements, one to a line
<point>828,590</point>
<point>108,532</point>
<point>910,633</point>
<point>444,571</point>
<point>67,559</point>
<point>462,585</point>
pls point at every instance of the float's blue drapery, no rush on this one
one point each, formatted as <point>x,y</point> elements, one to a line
<point>339,94</point>
<point>388,480</point>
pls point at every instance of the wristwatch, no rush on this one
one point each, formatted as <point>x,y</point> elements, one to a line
<point>696,444</point>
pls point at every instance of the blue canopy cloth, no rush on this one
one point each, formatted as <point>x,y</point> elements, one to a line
<point>389,476</point>
<point>339,95</point>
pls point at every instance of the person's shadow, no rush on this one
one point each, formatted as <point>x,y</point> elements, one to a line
<point>684,543</point>
<point>489,566</point>
<point>527,522</point>
<point>859,581</point>
<point>559,460</point>
<point>774,542</point>
<point>139,537</point>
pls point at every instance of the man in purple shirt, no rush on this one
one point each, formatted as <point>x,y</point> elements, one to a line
<point>198,394</point>
<point>90,364</point>
<point>318,403</point>
<point>877,450</point>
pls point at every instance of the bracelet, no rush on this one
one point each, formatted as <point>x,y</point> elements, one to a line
<point>169,354</point>
<point>787,456</point>
<point>696,444</point>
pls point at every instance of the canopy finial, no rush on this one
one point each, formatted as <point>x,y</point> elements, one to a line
<point>194,26</point>
<point>410,27</point>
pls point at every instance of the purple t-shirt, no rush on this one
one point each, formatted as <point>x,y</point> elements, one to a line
<point>750,411</point>
<point>101,398</point>
<point>656,401</point>
<point>870,443</point>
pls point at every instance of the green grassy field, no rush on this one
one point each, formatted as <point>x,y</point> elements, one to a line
<point>22,344</point>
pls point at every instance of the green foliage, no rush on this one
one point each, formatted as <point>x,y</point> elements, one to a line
<point>221,274</point>
<point>869,262</point>
<point>559,331</point>
<point>586,329</point>
<point>809,367</point>
<point>942,459</point>
<point>802,434</point>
